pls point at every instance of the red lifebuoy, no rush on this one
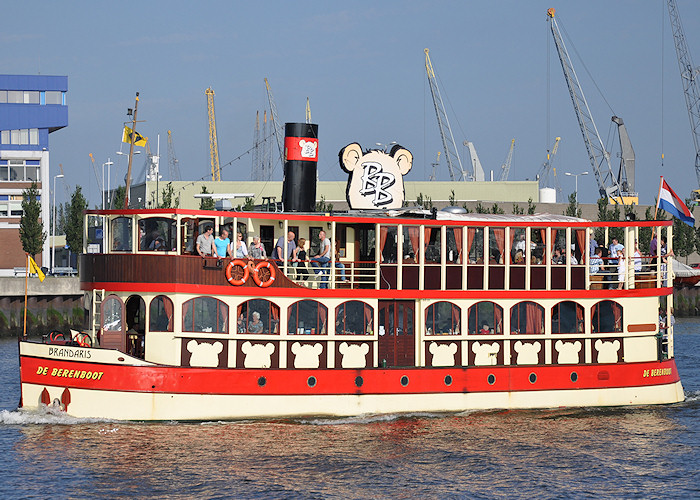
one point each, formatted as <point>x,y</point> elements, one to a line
<point>229,272</point>
<point>83,339</point>
<point>256,274</point>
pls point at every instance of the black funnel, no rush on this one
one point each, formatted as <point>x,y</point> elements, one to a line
<point>300,159</point>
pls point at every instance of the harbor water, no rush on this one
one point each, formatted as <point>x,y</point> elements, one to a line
<point>636,452</point>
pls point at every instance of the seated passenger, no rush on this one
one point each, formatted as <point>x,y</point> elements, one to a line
<point>322,258</point>
<point>299,260</point>
<point>157,244</point>
<point>340,265</point>
<point>255,326</point>
<point>485,330</point>
<point>596,262</point>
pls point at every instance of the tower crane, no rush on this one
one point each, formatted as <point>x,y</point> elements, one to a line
<point>213,140</point>
<point>97,176</point>
<point>547,168</point>
<point>689,80</point>
<point>505,168</point>
<point>277,126</point>
<point>435,165</point>
<point>608,185</point>
<point>478,171</point>
<point>454,162</point>
<point>173,162</point>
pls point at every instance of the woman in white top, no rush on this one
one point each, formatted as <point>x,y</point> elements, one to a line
<point>238,247</point>
<point>620,269</point>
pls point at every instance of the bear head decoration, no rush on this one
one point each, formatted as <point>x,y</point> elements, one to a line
<point>375,178</point>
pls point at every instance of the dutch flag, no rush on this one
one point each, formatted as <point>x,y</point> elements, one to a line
<point>671,203</point>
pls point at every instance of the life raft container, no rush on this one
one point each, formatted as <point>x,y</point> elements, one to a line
<point>256,274</point>
<point>229,272</point>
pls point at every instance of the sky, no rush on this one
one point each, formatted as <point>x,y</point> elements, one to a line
<point>362,66</point>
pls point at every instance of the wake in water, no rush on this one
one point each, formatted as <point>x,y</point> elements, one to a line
<point>43,416</point>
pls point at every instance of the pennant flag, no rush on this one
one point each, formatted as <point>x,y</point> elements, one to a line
<point>139,139</point>
<point>34,269</point>
<point>671,203</point>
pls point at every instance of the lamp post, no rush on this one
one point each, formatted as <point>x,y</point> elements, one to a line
<point>53,239</point>
<point>575,176</point>
<point>109,164</point>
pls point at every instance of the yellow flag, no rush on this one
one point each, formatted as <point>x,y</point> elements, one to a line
<point>139,139</point>
<point>34,269</point>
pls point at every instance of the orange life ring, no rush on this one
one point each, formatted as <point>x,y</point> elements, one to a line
<point>256,274</point>
<point>83,339</point>
<point>229,270</point>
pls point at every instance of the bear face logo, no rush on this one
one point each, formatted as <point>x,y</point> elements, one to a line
<point>308,148</point>
<point>204,355</point>
<point>568,352</point>
<point>375,177</point>
<point>307,356</point>
<point>528,353</point>
<point>257,355</point>
<point>486,354</point>
<point>354,355</point>
<point>443,354</point>
<point>607,350</point>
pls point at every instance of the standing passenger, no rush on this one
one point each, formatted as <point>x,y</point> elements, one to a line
<point>221,244</point>
<point>257,251</point>
<point>205,242</point>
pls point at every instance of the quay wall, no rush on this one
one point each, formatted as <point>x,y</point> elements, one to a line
<point>54,304</point>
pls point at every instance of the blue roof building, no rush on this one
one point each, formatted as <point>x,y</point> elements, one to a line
<point>31,107</point>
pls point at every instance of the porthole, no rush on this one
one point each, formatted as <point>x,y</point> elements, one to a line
<point>404,381</point>
<point>359,381</point>
<point>262,381</point>
<point>574,376</point>
<point>311,381</point>
<point>491,379</point>
<point>448,379</point>
<point>533,378</point>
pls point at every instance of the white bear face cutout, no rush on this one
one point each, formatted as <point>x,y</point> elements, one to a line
<point>376,178</point>
<point>308,148</point>
<point>486,354</point>
<point>443,354</point>
<point>607,351</point>
<point>568,352</point>
<point>257,355</point>
<point>527,352</point>
<point>354,355</point>
<point>204,355</point>
<point>306,356</point>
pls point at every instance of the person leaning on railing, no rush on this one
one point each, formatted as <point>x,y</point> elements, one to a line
<point>257,249</point>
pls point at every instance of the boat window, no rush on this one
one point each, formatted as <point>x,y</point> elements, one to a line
<point>497,245</point>
<point>388,243</point>
<point>567,317</point>
<point>112,314</point>
<point>485,318</point>
<point>606,317</point>
<point>537,248</point>
<point>120,233</point>
<point>517,246</point>
<point>161,314</point>
<point>475,245</point>
<point>411,244</point>
<point>454,245</point>
<point>366,236</point>
<point>314,242</point>
<point>307,317</point>
<point>432,245</point>
<point>205,314</point>
<point>258,316</point>
<point>354,317</point>
<point>442,318</point>
<point>527,317</point>
<point>157,233</point>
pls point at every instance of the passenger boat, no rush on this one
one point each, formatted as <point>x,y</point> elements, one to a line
<point>416,311</point>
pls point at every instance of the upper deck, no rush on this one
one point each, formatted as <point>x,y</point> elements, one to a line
<point>434,253</point>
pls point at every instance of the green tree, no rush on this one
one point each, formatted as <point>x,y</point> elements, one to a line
<point>480,209</point>
<point>74,227</point>
<point>322,206</point>
<point>424,201</point>
<point>453,198</point>
<point>495,209</point>
<point>531,207</point>
<point>169,200</point>
<point>645,232</point>
<point>204,203</point>
<point>117,201</point>
<point>517,210</point>
<point>684,236</point>
<point>573,210</point>
<point>31,228</point>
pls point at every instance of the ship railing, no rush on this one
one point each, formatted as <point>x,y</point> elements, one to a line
<point>339,274</point>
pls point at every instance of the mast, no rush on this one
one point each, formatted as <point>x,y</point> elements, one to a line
<point>131,152</point>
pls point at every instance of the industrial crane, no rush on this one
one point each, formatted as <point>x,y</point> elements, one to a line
<point>277,126</point>
<point>505,168</point>
<point>454,162</point>
<point>547,168</point>
<point>173,162</point>
<point>689,80</point>
<point>608,185</point>
<point>477,170</point>
<point>213,140</point>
